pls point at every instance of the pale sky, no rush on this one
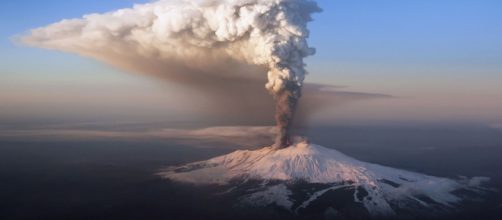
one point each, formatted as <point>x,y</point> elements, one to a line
<point>441,60</point>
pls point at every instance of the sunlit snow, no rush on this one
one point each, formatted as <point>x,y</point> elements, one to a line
<point>316,164</point>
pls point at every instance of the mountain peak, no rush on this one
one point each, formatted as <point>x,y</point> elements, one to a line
<point>311,163</point>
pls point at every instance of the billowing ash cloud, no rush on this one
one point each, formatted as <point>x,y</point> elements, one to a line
<point>203,40</point>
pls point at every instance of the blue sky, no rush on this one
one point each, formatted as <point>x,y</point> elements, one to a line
<point>440,33</point>
<point>445,56</point>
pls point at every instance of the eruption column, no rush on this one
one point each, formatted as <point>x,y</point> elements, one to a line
<point>189,38</point>
<point>286,101</point>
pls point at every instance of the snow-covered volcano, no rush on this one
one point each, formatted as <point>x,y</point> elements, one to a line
<point>381,190</point>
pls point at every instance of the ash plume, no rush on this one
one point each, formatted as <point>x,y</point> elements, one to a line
<point>286,103</point>
<point>182,40</point>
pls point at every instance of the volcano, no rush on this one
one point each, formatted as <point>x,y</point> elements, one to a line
<point>271,176</point>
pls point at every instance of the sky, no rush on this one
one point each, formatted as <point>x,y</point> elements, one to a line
<point>439,60</point>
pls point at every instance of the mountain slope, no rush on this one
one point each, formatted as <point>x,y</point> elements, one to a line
<point>383,188</point>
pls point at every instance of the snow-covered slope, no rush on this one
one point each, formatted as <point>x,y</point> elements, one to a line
<point>383,186</point>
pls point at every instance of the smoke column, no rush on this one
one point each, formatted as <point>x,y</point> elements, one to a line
<point>182,39</point>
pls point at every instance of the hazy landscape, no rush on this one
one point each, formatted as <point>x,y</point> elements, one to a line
<point>53,177</point>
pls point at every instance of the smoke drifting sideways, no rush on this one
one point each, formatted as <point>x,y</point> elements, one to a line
<point>223,48</point>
